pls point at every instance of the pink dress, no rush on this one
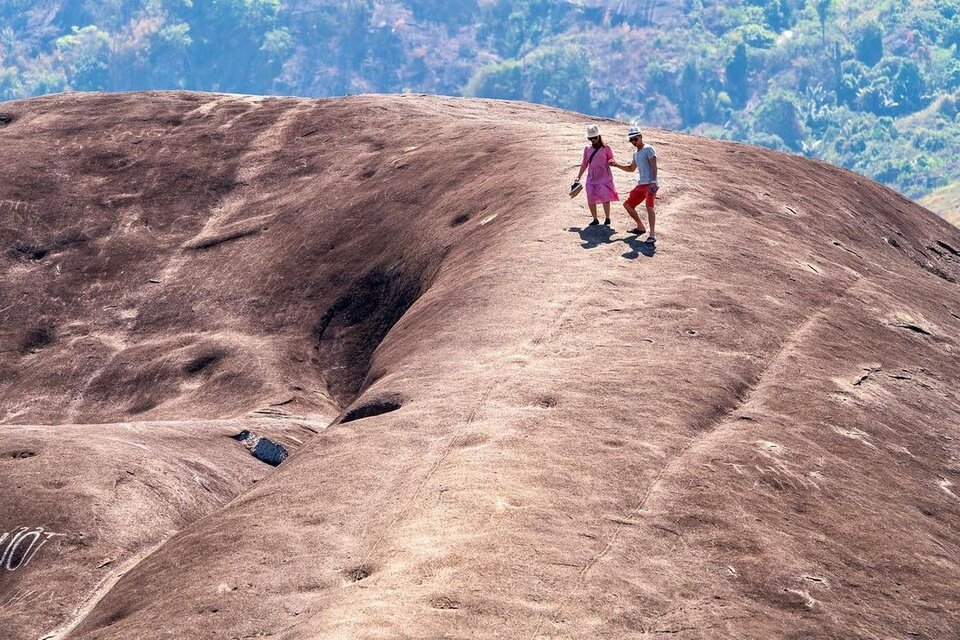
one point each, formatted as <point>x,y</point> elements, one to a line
<point>600,187</point>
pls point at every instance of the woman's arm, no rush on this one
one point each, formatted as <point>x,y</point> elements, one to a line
<point>583,166</point>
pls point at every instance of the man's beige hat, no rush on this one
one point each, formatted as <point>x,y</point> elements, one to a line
<point>633,132</point>
<point>593,131</point>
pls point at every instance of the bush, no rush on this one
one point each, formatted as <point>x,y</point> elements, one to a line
<point>770,141</point>
<point>757,36</point>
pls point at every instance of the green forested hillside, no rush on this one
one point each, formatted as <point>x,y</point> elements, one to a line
<point>873,86</point>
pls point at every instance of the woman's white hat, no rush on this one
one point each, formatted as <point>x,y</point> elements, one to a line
<point>593,131</point>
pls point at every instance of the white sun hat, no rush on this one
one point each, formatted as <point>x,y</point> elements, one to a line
<point>633,132</point>
<point>593,131</point>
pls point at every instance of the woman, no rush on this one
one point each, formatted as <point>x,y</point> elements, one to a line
<point>600,187</point>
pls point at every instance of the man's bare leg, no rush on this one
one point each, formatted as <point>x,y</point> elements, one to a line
<point>633,214</point>
<point>652,218</point>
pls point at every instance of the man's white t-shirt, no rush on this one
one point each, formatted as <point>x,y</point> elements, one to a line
<point>642,159</point>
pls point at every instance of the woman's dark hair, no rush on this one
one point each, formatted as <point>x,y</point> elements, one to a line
<point>598,143</point>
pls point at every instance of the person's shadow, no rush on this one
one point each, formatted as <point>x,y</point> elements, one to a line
<point>597,235</point>
<point>638,247</point>
<point>593,236</point>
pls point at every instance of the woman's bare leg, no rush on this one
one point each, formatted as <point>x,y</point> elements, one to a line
<point>593,212</point>
<point>606,213</point>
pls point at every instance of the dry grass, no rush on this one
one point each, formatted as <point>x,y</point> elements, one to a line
<point>945,201</point>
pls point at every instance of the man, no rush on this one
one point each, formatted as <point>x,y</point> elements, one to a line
<point>645,164</point>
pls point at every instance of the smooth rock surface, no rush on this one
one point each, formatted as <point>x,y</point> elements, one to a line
<point>555,431</point>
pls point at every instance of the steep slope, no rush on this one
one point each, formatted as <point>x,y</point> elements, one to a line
<point>539,429</point>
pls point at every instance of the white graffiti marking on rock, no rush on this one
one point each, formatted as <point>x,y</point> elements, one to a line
<point>22,215</point>
<point>15,207</point>
<point>18,547</point>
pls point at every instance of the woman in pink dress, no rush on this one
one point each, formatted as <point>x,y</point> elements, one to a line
<point>600,187</point>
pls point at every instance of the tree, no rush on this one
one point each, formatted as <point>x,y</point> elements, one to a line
<point>559,76</point>
<point>779,115</point>
<point>853,74</point>
<point>277,45</point>
<point>908,86</point>
<point>10,84</point>
<point>85,54</point>
<point>662,79</point>
<point>823,12</point>
<point>951,33</point>
<point>499,81</point>
<point>877,96</point>
<point>757,36</point>
<point>868,40</point>
<point>227,37</point>
<point>777,13</point>
<point>169,60</point>
<point>452,13</point>
<point>737,69</point>
<point>691,95</point>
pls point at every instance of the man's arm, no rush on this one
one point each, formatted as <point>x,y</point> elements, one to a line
<point>626,167</point>
<point>653,174</point>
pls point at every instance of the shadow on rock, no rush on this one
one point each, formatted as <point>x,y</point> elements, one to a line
<point>594,236</point>
<point>638,247</point>
<point>601,234</point>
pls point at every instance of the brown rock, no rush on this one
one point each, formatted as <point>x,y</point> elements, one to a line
<point>537,429</point>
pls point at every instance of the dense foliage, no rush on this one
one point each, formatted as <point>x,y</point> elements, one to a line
<point>872,86</point>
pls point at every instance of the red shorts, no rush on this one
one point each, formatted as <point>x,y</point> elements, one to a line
<point>639,194</point>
